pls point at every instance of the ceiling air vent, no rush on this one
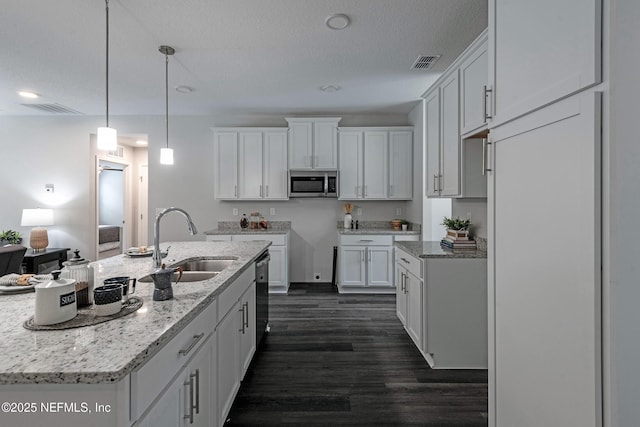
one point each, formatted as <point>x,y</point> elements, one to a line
<point>52,108</point>
<point>425,62</point>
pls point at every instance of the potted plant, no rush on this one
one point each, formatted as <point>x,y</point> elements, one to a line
<point>456,227</point>
<point>10,237</point>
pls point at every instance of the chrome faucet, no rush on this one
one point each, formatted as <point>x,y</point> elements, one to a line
<point>157,257</point>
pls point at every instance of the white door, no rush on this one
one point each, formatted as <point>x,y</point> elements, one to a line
<point>277,266</point>
<point>474,76</point>
<point>544,359</point>
<point>225,155</point>
<point>542,51</point>
<point>400,165</point>
<point>380,266</point>
<point>414,308</point>
<point>353,266</point>
<point>275,165</point>
<point>198,385</point>
<point>247,328</point>
<point>168,411</point>
<point>300,145</point>
<point>325,145</point>
<point>143,205</point>
<point>250,165</point>
<point>228,361</point>
<point>450,149</point>
<point>432,143</point>
<point>350,148</point>
<point>401,295</point>
<point>376,165</point>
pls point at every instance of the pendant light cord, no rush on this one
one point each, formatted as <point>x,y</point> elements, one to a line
<point>107,61</point>
<point>166,91</point>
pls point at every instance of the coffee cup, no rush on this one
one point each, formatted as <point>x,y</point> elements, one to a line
<point>124,281</point>
<point>108,299</point>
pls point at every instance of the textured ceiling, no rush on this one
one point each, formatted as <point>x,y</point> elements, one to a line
<point>240,56</point>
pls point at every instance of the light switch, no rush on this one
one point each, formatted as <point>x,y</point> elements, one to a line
<point>272,211</point>
<point>398,211</point>
<point>235,211</point>
<point>359,211</point>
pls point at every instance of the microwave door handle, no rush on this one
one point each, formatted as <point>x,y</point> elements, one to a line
<point>326,184</point>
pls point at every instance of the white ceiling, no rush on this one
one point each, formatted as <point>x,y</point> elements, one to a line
<point>240,56</point>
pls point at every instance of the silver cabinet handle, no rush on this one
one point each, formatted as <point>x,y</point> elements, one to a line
<point>405,260</point>
<point>235,190</point>
<point>369,255</point>
<point>406,276</point>
<point>196,338</point>
<point>246,311</point>
<point>485,94</point>
<point>366,191</point>
<point>485,169</point>
<point>390,190</point>
<point>260,190</point>
<point>197,375</point>
<point>242,310</point>
<point>366,240</point>
<point>435,186</point>
<point>191,406</point>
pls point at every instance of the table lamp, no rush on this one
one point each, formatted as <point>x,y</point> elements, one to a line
<point>37,218</point>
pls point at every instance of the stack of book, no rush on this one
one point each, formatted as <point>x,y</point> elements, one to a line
<point>457,242</point>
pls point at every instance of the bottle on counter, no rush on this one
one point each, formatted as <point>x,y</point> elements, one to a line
<point>244,221</point>
<point>357,225</point>
<point>254,223</point>
<point>347,221</point>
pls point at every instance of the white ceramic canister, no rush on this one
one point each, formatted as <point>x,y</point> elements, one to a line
<point>55,301</point>
<point>347,221</point>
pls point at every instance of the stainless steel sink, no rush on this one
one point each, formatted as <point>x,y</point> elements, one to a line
<point>196,270</point>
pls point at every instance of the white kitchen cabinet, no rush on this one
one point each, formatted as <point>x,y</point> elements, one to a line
<point>474,78</point>
<point>366,264</point>
<point>540,52</point>
<point>251,163</point>
<point>247,328</point>
<point>454,110</point>
<point>546,298</point>
<point>409,295</point>
<point>225,160</point>
<point>313,143</point>
<point>376,163</point>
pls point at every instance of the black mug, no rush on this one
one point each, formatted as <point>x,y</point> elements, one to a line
<point>124,281</point>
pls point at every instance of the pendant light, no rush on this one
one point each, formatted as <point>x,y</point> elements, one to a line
<point>107,137</point>
<point>166,154</point>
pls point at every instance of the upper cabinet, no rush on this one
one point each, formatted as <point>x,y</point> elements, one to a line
<point>313,143</point>
<point>250,163</point>
<point>454,111</point>
<point>540,52</point>
<point>376,163</point>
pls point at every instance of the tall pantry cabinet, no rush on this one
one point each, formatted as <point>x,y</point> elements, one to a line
<point>544,202</point>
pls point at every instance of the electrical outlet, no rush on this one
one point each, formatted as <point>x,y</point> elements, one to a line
<point>235,211</point>
<point>316,277</point>
<point>359,211</point>
<point>272,211</point>
<point>469,216</point>
<point>398,211</point>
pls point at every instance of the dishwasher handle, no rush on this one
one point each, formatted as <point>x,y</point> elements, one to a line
<point>263,260</point>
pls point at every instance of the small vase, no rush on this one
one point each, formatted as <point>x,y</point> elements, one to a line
<point>347,221</point>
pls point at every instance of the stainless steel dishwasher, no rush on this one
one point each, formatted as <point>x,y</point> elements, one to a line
<point>262,296</point>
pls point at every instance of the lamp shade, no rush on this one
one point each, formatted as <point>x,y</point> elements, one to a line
<point>166,156</point>
<point>36,217</point>
<point>107,139</point>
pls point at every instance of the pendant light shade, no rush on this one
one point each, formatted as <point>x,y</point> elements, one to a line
<point>166,154</point>
<point>107,137</point>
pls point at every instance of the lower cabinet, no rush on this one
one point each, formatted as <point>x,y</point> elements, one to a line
<point>366,264</point>
<point>409,297</point>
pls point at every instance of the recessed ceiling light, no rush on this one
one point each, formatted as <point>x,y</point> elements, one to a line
<point>184,89</point>
<point>141,142</point>
<point>338,21</point>
<point>330,88</point>
<point>30,95</point>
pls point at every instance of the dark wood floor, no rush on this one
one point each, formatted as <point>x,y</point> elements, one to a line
<point>344,360</point>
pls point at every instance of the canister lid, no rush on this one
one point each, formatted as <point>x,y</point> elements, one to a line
<point>75,260</point>
<point>56,282</point>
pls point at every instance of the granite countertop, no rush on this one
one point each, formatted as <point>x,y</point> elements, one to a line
<point>233,227</point>
<point>378,227</point>
<point>425,249</point>
<point>107,352</point>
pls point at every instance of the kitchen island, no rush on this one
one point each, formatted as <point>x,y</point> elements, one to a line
<point>88,376</point>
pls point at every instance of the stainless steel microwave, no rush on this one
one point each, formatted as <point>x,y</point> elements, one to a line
<point>313,184</point>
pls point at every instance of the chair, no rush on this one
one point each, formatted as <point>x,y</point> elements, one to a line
<point>11,259</point>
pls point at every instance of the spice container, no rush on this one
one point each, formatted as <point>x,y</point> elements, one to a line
<point>254,223</point>
<point>244,222</point>
<point>78,269</point>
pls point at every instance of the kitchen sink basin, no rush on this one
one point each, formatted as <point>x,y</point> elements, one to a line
<point>196,270</point>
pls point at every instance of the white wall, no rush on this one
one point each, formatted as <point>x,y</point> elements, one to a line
<point>414,207</point>
<point>62,157</point>
<point>476,210</point>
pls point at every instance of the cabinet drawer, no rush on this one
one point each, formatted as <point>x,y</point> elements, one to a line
<point>366,240</point>
<point>411,263</point>
<point>232,294</point>
<point>275,239</point>
<point>148,381</point>
<point>218,238</point>
<point>406,238</point>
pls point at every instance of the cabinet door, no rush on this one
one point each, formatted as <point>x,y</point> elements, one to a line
<point>474,76</point>
<point>250,170</point>
<point>545,311</point>
<point>542,51</point>
<point>353,266</point>
<point>169,409</point>
<point>401,165</point>
<point>450,138</point>
<point>350,148</point>
<point>300,145</point>
<point>198,394</point>
<point>247,328</point>
<point>432,142</point>
<point>414,308</point>
<point>325,145</point>
<point>376,166</point>
<point>277,266</point>
<point>225,155</point>
<point>228,361</point>
<point>380,266</point>
<point>275,165</point>
<point>401,295</point>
